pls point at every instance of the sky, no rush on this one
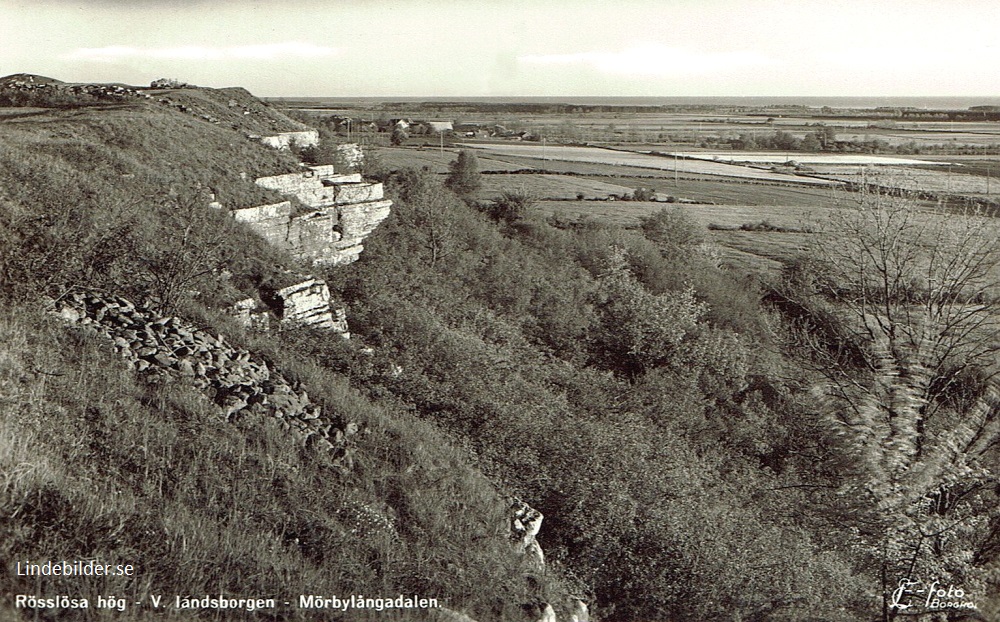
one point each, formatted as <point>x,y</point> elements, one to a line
<point>444,48</point>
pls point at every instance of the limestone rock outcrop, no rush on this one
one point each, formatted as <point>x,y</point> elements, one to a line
<point>526,522</point>
<point>303,303</point>
<point>579,611</point>
<point>308,304</point>
<point>237,382</point>
<point>346,210</point>
<point>285,140</point>
<point>525,525</point>
<point>249,314</point>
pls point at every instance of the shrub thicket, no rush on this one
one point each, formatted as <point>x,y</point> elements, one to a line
<point>588,371</point>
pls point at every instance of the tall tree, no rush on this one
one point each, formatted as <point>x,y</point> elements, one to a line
<point>464,177</point>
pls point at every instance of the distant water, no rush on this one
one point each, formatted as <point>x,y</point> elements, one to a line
<point>931,103</point>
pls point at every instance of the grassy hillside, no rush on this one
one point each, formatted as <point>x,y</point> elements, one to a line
<point>99,462</point>
<point>673,421</point>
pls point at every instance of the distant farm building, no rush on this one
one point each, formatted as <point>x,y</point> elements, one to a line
<point>439,127</point>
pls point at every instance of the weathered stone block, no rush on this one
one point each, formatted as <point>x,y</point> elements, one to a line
<point>306,303</point>
<point>358,221</point>
<point>285,140</point>
<point>269,221</point>
<point>357,193</point>
<point>312,233</point>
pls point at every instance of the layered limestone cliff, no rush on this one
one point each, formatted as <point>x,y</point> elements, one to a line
<point>345,210</point>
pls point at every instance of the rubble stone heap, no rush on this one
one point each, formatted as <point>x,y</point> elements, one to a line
<point>237,382</point>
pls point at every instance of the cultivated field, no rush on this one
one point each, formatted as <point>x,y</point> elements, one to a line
<point>594,155</point>
<point>756,217</point>
<point>551,186</point>
<point>759,158</point>
<point>950,181</point>
<point>435,159</point>
<point>759,250</point>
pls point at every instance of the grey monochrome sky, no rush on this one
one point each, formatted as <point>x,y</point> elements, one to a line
<point>514,47</point>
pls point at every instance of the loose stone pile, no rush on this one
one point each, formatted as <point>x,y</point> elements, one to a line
<point>238,383</point>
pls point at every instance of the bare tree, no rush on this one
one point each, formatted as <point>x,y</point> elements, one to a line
<point>189,250</point>
<point>916,291</point>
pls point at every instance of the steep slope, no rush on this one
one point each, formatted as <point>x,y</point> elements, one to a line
<point>105,208</point>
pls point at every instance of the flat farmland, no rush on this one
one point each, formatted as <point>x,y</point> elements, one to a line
<point>765,158</point>
<point>740,250</point>
<point>550,186</point>
<point>436,160</point>
<point>663,129</point>
<point>630,213</point>
<point>955,138</point>
<point>729,191</point>
<point>930,180</point>
<point>699,188</point>
<point>594,155</point>
<point>745,234</point>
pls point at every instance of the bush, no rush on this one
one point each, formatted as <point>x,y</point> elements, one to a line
<point>510,207</point>
<point>643,194</point>
<point>672,228</point>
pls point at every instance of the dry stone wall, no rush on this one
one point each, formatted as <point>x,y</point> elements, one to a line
<point>236,381</point>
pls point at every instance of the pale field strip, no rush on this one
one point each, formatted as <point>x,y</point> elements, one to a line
<point>596,155</point>
<point>780,157</point>
<point>951,139</point>
<point>983,127</point>
<point>919,179</point>
<point>806,218</point>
